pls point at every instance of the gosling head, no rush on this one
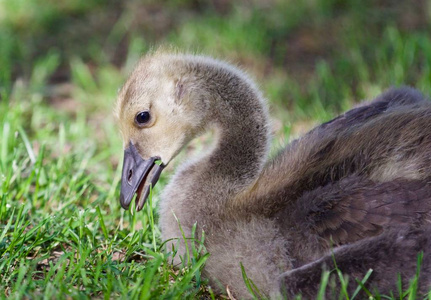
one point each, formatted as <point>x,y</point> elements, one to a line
<point>160,108</point>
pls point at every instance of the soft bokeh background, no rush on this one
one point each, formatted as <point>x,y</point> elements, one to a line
<point>61,63</point>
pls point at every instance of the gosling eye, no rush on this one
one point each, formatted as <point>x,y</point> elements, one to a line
<point>142,118</point>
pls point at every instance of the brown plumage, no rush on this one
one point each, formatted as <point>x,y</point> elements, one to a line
<point>359,184</point>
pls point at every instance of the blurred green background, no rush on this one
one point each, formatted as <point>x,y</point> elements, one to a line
<point>62,233</point>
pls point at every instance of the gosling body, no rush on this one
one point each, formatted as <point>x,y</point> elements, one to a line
<point>348,188</point>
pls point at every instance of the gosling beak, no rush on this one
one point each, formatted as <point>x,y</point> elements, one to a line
<point>137,178</point>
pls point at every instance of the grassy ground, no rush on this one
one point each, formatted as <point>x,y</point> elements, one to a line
<point>62,232</point>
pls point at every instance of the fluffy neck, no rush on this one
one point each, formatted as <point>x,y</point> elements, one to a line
<point>239,114</point>
<point>199,190</point>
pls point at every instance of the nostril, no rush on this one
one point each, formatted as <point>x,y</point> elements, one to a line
<point>129,177</point>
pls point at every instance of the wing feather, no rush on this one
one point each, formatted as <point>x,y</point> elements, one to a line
<point>355,208</point>
<point>382,140</point>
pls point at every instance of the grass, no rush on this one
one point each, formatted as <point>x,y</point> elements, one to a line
<point>62,232</point>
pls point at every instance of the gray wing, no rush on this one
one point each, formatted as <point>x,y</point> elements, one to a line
<point>381,141</point>
<point>356,208</point>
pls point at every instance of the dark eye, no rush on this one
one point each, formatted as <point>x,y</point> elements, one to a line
<point>142,117</point>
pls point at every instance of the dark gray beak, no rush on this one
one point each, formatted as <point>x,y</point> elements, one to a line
<point>138,177</point>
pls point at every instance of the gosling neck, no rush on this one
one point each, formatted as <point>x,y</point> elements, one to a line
<point>240,116</point>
